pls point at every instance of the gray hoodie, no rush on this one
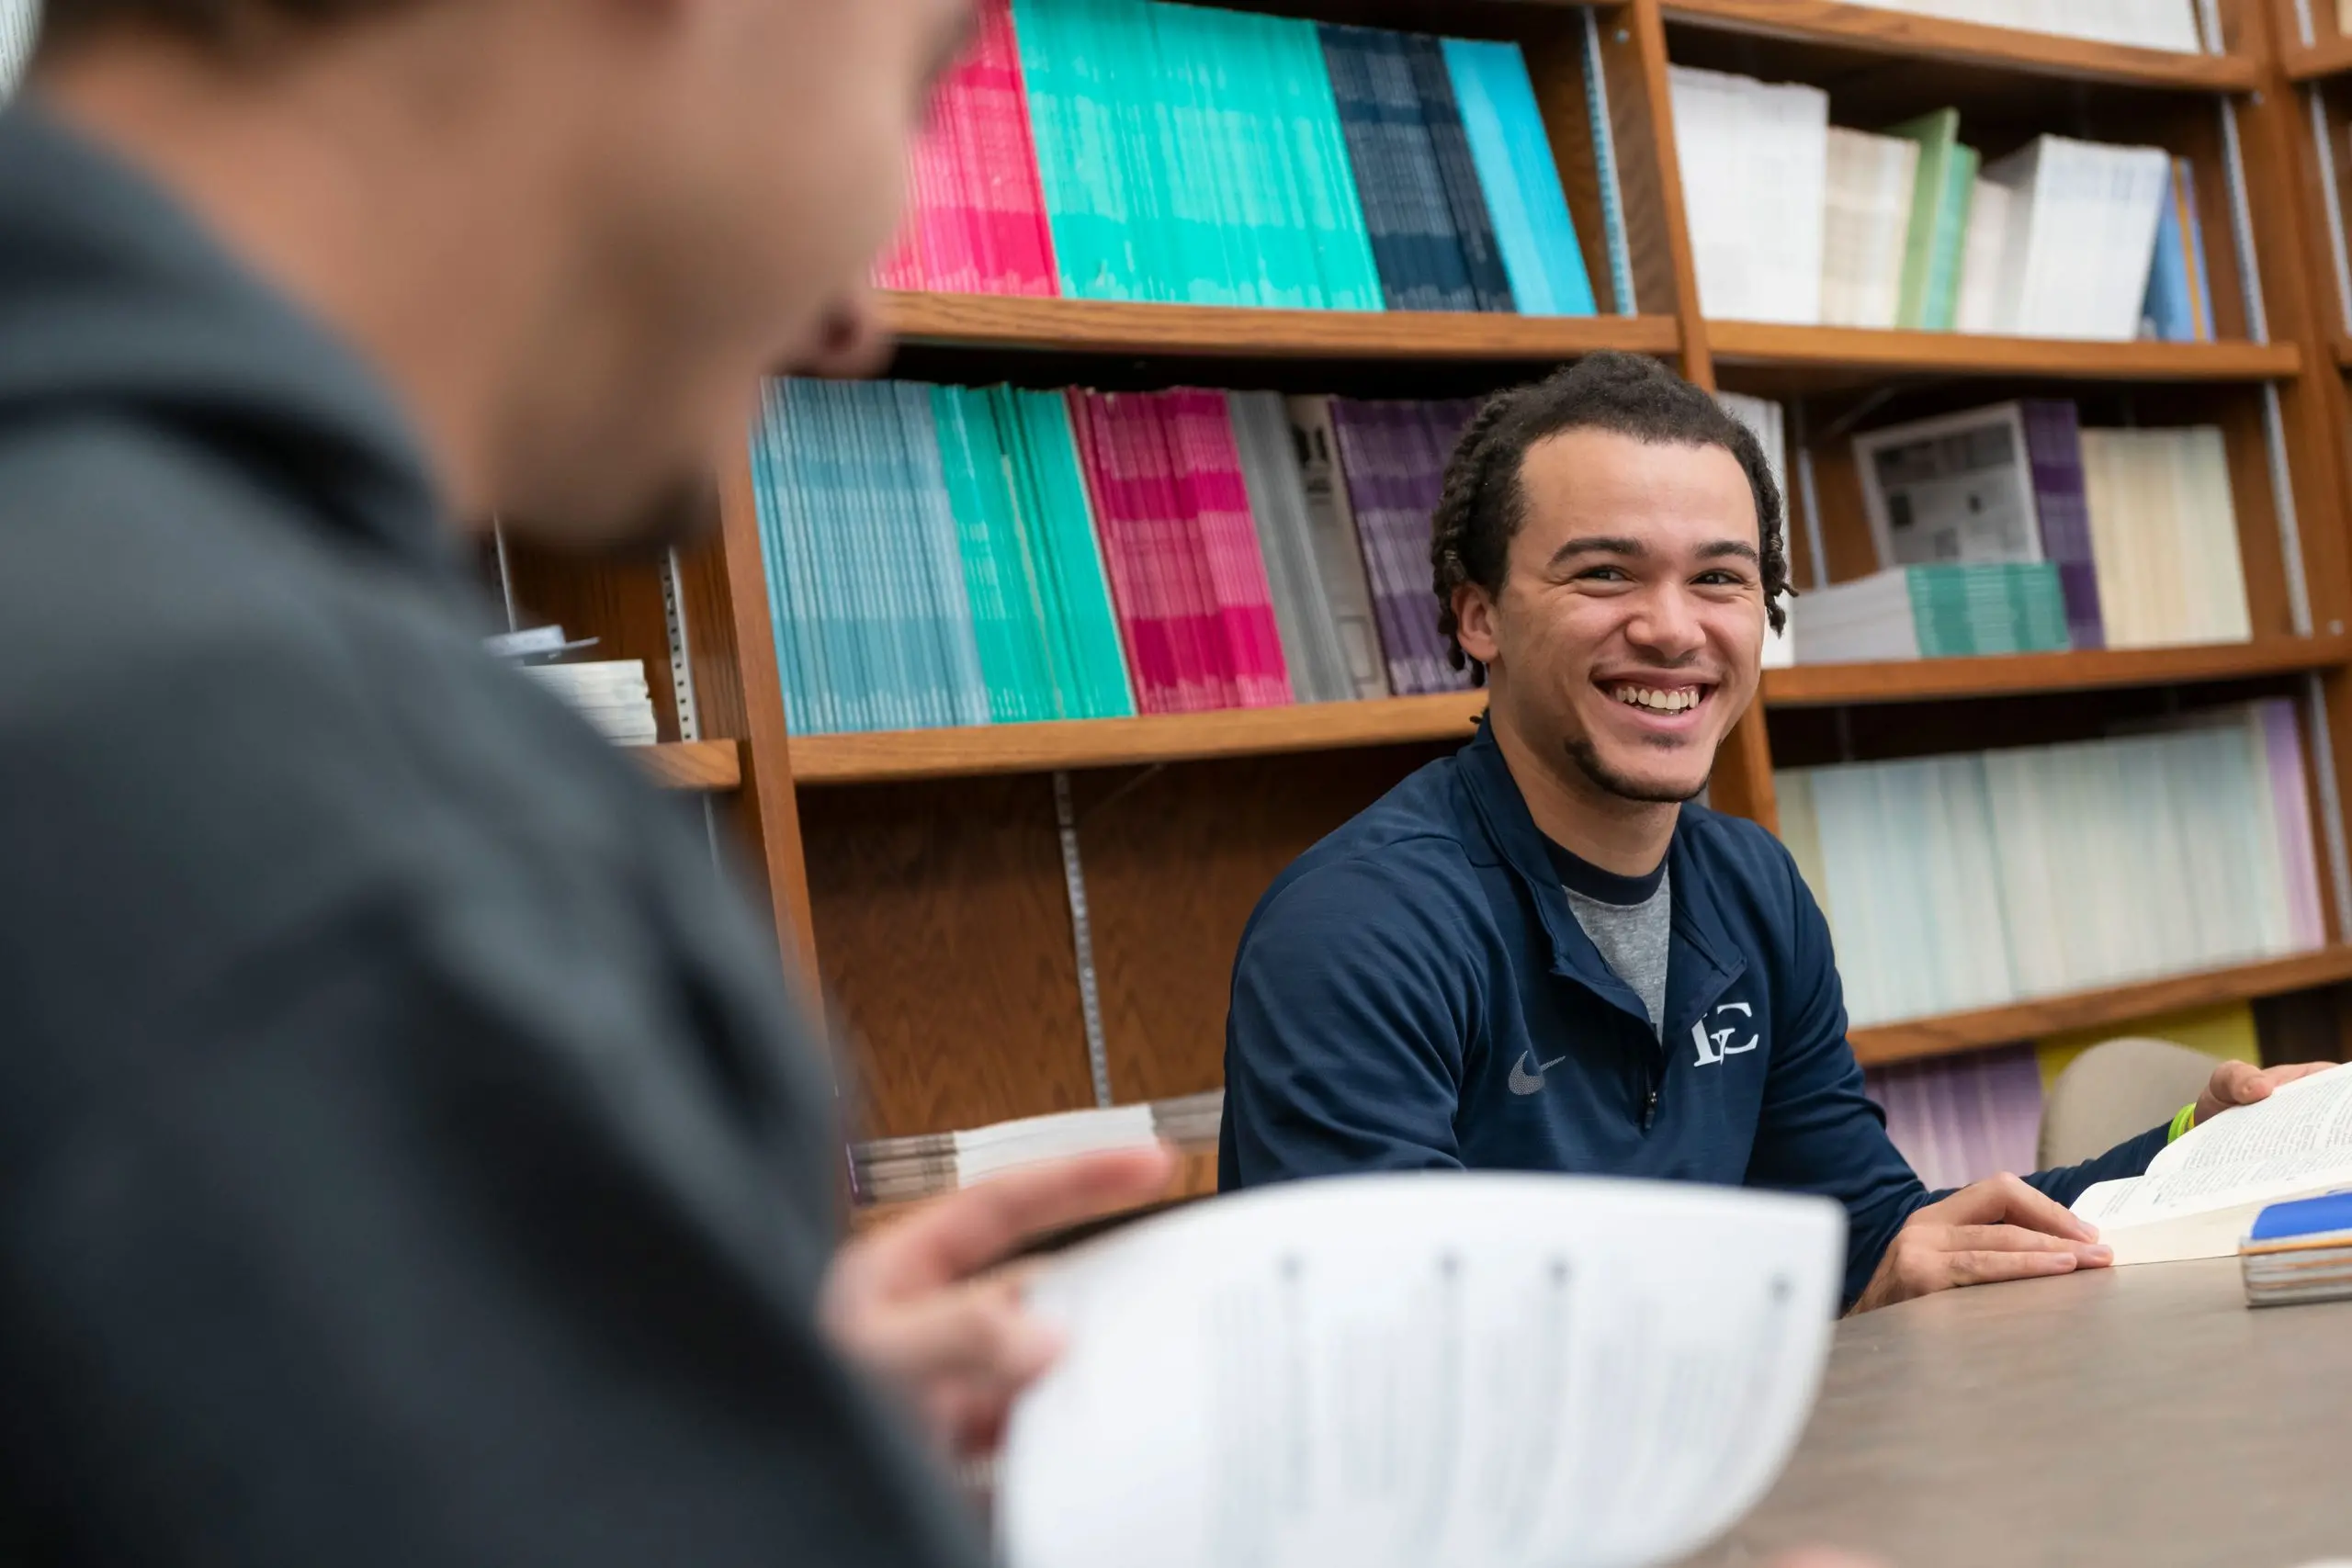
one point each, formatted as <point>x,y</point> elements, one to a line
<point>408,1152</point>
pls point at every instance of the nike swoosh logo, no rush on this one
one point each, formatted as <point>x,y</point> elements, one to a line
<point>1525,1082</point>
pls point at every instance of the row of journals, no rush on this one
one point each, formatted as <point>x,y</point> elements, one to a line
<point>892,1170</point>
<point>1141,151</point>
<point>1796,220</point>
<point>943,555</point>
<point>1969,881</point>
<point>2143,24</point>
<point>2012,529</point>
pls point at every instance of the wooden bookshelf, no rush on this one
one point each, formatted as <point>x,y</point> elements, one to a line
<point>703,767</point>
<point>899,755</point>
<point>1893,34</point>
<point>1960,1031</point>
<point>2330,55</point>
<point>1848,355</point>
<point>921,877</point>
<point>1100,327</point>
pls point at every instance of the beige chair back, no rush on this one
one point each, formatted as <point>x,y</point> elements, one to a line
<point>2117,1090</point>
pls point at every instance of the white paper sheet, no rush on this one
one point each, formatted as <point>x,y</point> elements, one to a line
<point>1472,1371</point>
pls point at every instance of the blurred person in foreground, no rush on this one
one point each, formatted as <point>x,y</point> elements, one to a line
<point>408,1151</point>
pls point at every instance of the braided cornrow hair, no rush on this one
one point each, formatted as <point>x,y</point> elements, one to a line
<point>1482,506</point>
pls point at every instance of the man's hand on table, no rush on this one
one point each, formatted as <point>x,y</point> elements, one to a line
<point>2000,1229</point>
<point>2242,1082</point>
<point>915,1303</point>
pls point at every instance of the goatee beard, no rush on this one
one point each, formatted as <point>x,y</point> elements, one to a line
<point>1588,760</point>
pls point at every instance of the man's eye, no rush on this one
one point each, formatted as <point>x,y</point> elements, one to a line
<point>1721,579</point>
<point>1603,574</point>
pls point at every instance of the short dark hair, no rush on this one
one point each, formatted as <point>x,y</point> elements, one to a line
<point>223,23</point>
<point>1484,505</point>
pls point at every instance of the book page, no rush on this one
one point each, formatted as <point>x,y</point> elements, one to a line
<point>2298,1139</point>
<point>1476,1371</point>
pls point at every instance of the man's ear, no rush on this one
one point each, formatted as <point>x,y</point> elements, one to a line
<point>1475,614</point>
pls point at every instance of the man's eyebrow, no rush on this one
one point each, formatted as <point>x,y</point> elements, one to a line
<point>1600,545</point>
<point>1723,547</point>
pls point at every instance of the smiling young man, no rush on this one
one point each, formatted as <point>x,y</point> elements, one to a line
<point>1535,955</point>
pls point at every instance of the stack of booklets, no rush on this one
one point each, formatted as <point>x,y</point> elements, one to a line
<point>931,559</point>
<point>610,694</point>
<point>941,555</point>
<point>1866,223</point>
<point>1796,220</point>
<point>1172,504</point>
<point>2140,526</point>
<point>1969,881</point>
<point>2164,536</point>
<point>887,1171</point>
<point>2143,24</point>
<point>2300,1251</point>
<point>1933,612</point>
<point>1395,456</point>
<point>1755,159</point>
<point>976,218</point>
<point>1322,606</point>
<point>1135,150</point>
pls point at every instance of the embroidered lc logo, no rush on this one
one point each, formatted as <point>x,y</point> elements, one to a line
<point>1715,1044</point>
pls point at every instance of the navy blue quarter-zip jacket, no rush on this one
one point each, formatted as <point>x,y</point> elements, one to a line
<point>1414,993</point>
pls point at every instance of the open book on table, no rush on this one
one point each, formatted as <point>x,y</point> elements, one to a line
<point>1477,1370</point>
<point>2202,1193</point>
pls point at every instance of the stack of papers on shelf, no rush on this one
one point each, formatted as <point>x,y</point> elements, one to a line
<point>2299,1252</point>
<point>1934,612</point>
<point>1958,882</point>
<point>1865,227</point>
<point>2143,24</point>
<point>611,694</point>
<point>889,1170</point>
<point>1754,172</point>
<point>2081,237</point>
<point>2202,1194</point>
<point>2164,536</point>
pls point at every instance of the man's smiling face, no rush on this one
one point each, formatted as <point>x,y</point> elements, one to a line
<point>1630,627</point>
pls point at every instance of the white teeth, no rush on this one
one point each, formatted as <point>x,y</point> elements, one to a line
<point>1658,701</point>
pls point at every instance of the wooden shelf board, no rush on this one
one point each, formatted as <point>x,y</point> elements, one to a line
<point>1838,686</point>
<point>899,755</point>
<point>2330,55</point>
<point>710,767</point>
<point>1955,1032</point>
<point>1120,742</point>
<point>1861,353</point>
<point>1091,326</point>
<point>1872,30</point>
<point>2343,346</point>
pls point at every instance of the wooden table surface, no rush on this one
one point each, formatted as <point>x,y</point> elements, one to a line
<point>2142,1417</point>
